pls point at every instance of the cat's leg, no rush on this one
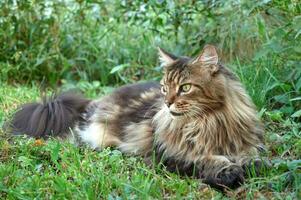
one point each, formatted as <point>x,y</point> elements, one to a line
<point>224,172</point>
<point>219,172</point>
<point>97,136</point>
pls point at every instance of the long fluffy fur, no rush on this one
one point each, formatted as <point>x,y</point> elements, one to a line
<point>51,117</point>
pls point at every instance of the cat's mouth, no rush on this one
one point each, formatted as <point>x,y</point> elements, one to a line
<point>176,113</point>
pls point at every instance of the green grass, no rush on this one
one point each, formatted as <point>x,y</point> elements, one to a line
<point>56,169</point>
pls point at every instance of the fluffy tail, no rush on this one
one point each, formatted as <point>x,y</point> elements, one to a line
<point>52,117</point>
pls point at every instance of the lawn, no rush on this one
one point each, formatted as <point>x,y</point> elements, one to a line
<point>96,46</point>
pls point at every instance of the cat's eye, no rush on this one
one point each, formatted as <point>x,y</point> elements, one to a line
<point>163,89</point>
<point>185,88</point>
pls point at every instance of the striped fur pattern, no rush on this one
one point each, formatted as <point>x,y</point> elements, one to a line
<point>198,121</point>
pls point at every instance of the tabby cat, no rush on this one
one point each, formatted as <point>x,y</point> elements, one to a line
<point>198,121</point>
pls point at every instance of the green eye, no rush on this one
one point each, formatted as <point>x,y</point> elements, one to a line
<point>186,87</point>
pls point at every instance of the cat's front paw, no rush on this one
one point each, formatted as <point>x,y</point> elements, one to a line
<point>230,177</point>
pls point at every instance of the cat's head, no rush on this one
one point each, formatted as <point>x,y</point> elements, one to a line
<point>193,87</point>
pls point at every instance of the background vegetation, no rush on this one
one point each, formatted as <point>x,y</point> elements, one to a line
<point>95,45</point>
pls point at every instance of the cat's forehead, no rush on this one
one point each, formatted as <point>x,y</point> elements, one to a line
<point>178,72</point>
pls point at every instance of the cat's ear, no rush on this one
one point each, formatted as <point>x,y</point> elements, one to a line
<point>165,57</point>
<point>208,56</point>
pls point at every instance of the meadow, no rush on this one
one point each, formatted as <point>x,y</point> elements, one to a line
<point>98,45</point>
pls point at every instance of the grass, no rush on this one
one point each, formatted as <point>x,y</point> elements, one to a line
<point>56,169</point>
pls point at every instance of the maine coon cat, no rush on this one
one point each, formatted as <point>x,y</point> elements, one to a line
<point>198,121</point>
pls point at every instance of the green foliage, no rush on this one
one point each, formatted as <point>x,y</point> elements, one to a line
<point>55,40</point>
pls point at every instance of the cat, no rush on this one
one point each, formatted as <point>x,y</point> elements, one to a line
<point>198,121</point>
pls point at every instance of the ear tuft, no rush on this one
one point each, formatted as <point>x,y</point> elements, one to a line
<point>165,57</point>
<point>208,55</point>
